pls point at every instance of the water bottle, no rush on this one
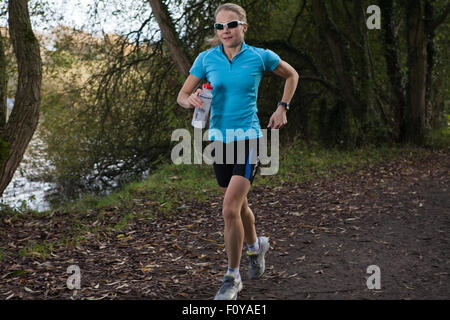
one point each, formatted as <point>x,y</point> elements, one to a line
<point>201,114</point>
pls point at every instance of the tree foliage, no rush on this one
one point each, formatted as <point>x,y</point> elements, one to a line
<point>356,85</point>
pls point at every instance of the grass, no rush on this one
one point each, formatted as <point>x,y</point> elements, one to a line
<point>36,249</point>
<point>439,138</point>
<point>302,163</point>
<point>171,184</point>
<point>168,186</point>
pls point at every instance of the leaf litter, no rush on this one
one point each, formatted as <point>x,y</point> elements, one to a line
<point>343,224</point>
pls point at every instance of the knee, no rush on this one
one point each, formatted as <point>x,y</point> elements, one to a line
<point>230,213</point>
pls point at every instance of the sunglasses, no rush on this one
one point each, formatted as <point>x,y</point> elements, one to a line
<point>230,25</point>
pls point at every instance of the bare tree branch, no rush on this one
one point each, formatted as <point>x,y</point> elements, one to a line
<point>295,21</point>
<point>170,36</point>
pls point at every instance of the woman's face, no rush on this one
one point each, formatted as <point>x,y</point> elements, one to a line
<point>230,37</point>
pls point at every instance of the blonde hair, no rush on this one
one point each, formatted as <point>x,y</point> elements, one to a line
<point>214,41</point>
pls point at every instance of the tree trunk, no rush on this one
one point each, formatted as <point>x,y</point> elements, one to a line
<point>434,106</point>
<point>391,55</point>
<point>362,75</point>
<point>417,70</point>
<point>3,85</point>
<point>340,57</point>
<point>343,65</point>
<point>169,34</point>
<point>429,31</point>
<point>25,115</point>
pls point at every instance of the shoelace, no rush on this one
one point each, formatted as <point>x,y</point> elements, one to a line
<point>254,260</point>
<point>227,282</point>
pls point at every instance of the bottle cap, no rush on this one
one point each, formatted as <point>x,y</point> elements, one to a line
<point>207,86</point>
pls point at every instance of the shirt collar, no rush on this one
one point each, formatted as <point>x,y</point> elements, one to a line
<point>243,48</point>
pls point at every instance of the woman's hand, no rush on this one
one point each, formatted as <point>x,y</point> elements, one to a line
<point>278,119</point>
<point>286,71</point>
<point>194,101</point>
<point>186,98</point>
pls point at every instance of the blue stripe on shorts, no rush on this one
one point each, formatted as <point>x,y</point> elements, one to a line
<point>248,166</point>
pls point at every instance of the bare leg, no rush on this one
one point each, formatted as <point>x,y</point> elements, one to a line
<point>234,228</point>
<point>248,221</point>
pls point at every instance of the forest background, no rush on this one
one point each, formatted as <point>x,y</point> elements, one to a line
<point>107,105</point>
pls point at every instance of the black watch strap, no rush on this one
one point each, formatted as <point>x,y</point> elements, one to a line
<point>284,104</point>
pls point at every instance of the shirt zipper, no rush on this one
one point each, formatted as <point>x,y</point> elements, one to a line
<point>231,62</point>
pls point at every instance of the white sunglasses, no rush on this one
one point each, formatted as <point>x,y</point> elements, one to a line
<point>230,25</point>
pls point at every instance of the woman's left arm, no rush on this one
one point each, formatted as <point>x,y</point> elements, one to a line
<point>285,70</point>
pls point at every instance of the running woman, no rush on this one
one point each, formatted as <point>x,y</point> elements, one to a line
<point>235,69</point>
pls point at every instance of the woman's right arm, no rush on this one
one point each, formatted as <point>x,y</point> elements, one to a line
<point>187,98</point>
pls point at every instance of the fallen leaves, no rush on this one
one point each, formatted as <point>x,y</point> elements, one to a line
<point>319,232</point>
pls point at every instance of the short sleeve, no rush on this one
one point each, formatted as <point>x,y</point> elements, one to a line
<point>197,68</point>
<point>271,59</point>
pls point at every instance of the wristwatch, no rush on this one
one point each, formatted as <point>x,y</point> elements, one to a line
<point>284,104</point>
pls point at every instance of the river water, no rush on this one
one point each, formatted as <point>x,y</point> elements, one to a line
<point>27,189</point>
<point>31,186</point>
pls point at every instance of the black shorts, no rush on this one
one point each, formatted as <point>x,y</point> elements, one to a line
<point>236,158</point>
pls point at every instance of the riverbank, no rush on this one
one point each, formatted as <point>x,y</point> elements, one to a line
<point>171,184</point>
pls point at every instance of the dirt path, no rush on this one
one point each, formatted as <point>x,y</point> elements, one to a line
<point>324,235</point>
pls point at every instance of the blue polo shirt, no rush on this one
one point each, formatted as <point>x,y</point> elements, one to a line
<point>235,89</point>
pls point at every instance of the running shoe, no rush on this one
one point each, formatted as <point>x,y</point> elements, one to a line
<point>257,262</point>
<point>229,289</point>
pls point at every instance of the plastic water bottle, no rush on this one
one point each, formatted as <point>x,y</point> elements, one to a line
<point>201,114</point>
